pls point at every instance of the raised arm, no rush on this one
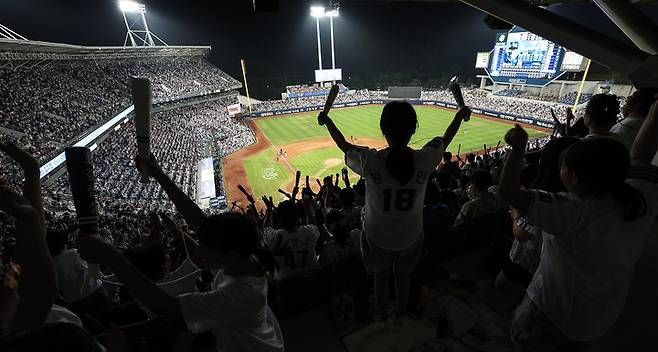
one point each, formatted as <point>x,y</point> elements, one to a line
<point>186,206</point>
<point>346,178</point>
<point>94,250</point>
<point>336,135</point>
<point>30,166</point>
<point>510,178</point>
<point>646,143</point>
<point>452,129</point>
<point>38,284</point>
<point>190,243</point>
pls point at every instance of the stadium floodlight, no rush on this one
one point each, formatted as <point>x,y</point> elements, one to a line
<point>317,11</point>
<point>127,6</point>
<point>137,30</point>
<point>331,13</point>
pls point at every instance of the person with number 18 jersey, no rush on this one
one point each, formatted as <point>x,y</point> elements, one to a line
<point>396,180</point>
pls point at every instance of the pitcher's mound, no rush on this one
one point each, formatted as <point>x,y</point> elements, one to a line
<point>332,162</point>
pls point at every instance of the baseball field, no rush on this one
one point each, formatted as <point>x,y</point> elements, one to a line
<point>296,142</point>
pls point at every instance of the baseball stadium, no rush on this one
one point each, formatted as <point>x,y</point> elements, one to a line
<point>328,175</point>
<point>291,142</point>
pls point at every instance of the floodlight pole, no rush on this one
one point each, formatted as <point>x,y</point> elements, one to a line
<point>8,33</point>
<point>333,57</point>
<point>137,28</point>
<point>149,38</point>
<point>317,27</point>
<point>129,32</point>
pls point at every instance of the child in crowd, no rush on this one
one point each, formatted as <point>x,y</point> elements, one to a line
<point>236,309</point>
<point>293,245</point>
<point>396,181</point>
<point>594,235</point>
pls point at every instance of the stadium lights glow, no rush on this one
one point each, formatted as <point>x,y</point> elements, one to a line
<point>131,7</point>
<point>317,11</point>
<point>331,13</point>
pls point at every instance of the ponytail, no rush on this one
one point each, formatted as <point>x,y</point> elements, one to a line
<point>400,163</point>
<point>398,123</point>
<point>632,202</point>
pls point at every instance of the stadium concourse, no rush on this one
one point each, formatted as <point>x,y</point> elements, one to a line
<point>476,259</point>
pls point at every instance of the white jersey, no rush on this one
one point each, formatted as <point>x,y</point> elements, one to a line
<point>333,252</point>
<point>393,216</point>
<point>588,259</point>
<point>237,313</point>
<point>299,249</point>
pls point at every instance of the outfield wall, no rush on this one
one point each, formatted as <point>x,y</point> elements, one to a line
<point>483,112</point>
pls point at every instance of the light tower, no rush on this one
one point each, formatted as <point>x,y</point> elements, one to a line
<point>318,12</point>
<point>331,14</point>
<point>8,33</point>
<point>137,30</point>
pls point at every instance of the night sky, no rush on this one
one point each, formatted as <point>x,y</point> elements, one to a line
<point>372,38</point>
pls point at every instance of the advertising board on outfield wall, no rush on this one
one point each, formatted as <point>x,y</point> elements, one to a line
<point>484,112</point>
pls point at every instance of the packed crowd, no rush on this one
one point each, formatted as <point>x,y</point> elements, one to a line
<point>311,89</point>
<point>483,100</point>
<point>476,98</point>
<point>556,209</point>
<point>507,92</point>
<point>180,137</point>
<point>50,105</point>
<point>570,98</point>
<point>303,102</point>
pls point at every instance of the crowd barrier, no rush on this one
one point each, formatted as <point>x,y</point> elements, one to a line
<point>484,112</point>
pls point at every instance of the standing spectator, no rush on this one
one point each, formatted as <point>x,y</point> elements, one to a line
<point>293,245</point>
<point>80,292</point>
<point>597,232</point>
<point>396,180</point>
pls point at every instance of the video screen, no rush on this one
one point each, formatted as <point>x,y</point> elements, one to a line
<point>523,57</point>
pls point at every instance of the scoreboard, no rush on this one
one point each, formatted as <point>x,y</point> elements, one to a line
<point>521,57</point>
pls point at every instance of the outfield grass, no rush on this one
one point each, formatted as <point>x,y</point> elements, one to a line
<point>359,122</point>
<point>364,122</point>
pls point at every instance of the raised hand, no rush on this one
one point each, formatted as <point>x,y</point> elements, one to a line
<point>269,203</point>
<point>250,198</point>
<point>323,118</point>
<point>27,162</point>
<point>463,114</point>
<point>171,224</point>
<point>155,232</point>
<point>147,167</point>
<point>517,138</point>
<point>16,205</point>
<point>285,193</point>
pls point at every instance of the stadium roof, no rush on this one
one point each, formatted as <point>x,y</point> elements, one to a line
<point>30,50</point>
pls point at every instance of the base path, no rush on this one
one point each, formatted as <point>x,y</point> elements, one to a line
<point>233,170</point>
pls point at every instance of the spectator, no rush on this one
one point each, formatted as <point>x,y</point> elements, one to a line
<point>294,245</point>
<point>584,261</point>
<point>81,292</point>
<point>393,232</point>
<point>601,114</point>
